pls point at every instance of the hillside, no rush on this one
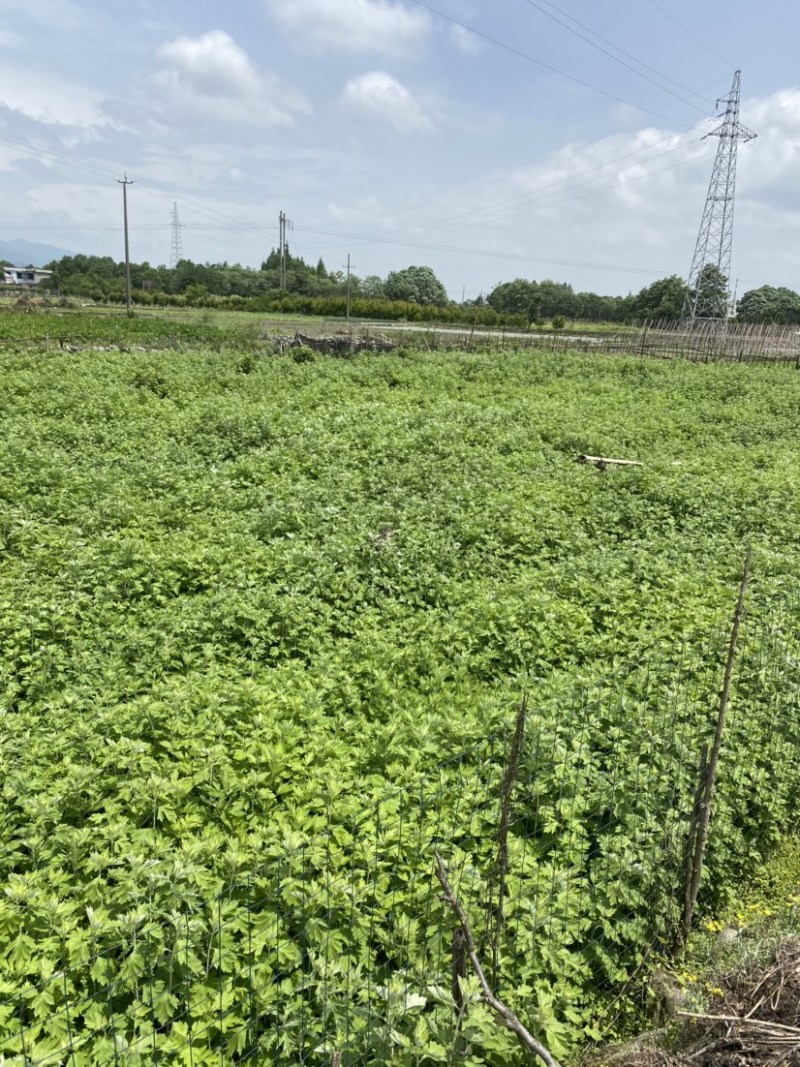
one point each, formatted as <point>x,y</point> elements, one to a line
<point>21,253</point>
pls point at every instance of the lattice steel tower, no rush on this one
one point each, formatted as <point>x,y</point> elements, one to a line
<point>705,299</point>
<point>176,251</point>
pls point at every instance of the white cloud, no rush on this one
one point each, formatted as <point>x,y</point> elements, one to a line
<point>9,157</point>
<point>72,202</point>
<point>212,65</point>
<point>464,41</point>
<point>616,202</point>
<point>770,167</point>
<point>636,199</point>
<point>49,99</point>
<point>367,209</point>
<point>382,26</point>
<point>377,95</point>
<point>213,76</point>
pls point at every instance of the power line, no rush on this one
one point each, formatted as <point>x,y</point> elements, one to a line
<point>398,240</point>
<point>42,152</point>
<point>67,158</point>
<point>622,51</point>
<point>600,169</point>
<point>541,63</point>
<point>487,217</point>
<point>690,33</point>
<point>491,213</point>
<point>489,182</point>
<point>482,252</point>
<point>605,51</point>
<point>405,243</point>
<point>202,209</point>
<point>93,167</point>
<point>150,226</point>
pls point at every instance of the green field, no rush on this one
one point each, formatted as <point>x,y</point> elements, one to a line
<point>242,591</point>
<point>72,315</point>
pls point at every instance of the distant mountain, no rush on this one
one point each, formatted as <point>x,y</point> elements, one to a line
<point>24,253</point>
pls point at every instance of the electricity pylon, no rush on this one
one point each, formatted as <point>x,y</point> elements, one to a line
<point>707,295</point>
<point>176,251</point>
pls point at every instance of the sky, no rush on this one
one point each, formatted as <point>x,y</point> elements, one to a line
<point>487,139</point>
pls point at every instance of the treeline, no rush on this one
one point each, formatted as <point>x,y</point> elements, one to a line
<point>102,278</point>
<point>546,300</point>
<point>415,294</point>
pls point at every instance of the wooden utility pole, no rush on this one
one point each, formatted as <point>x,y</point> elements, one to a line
<point>284,224</point>
<point>282,251</point>
<point>124,182</point>
<point>348,286</point>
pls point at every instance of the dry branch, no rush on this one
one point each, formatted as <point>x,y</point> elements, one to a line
<point>737,1020</point>
<point>605,461</point>
<point>503,1014</point>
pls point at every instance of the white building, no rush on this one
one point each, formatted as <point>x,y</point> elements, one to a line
<point>24,275</point>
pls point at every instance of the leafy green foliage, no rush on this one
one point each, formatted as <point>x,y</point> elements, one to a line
<point>769,304</point>
<point>140,331</point>
<point>663,299</point>
<point>539,301</point>
<point>415,293</point>
<point>248,604</point>
<point>415,285</point>
<point>711,296</point>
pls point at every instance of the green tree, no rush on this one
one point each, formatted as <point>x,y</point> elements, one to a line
<point>519,297</point>
<point>663,299</point>
<point>558,298</point>
<point>711,297</point>
<point>372,286</point>
<point>770,305</point>
<point>416,285</point>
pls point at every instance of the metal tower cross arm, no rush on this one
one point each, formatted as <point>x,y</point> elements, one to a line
<point>707,285</point>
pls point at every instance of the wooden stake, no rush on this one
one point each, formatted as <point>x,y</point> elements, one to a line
<point>501,863</point>
<point>701,817</point>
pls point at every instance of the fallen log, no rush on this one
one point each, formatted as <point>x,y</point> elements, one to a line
<point>601,462</point>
